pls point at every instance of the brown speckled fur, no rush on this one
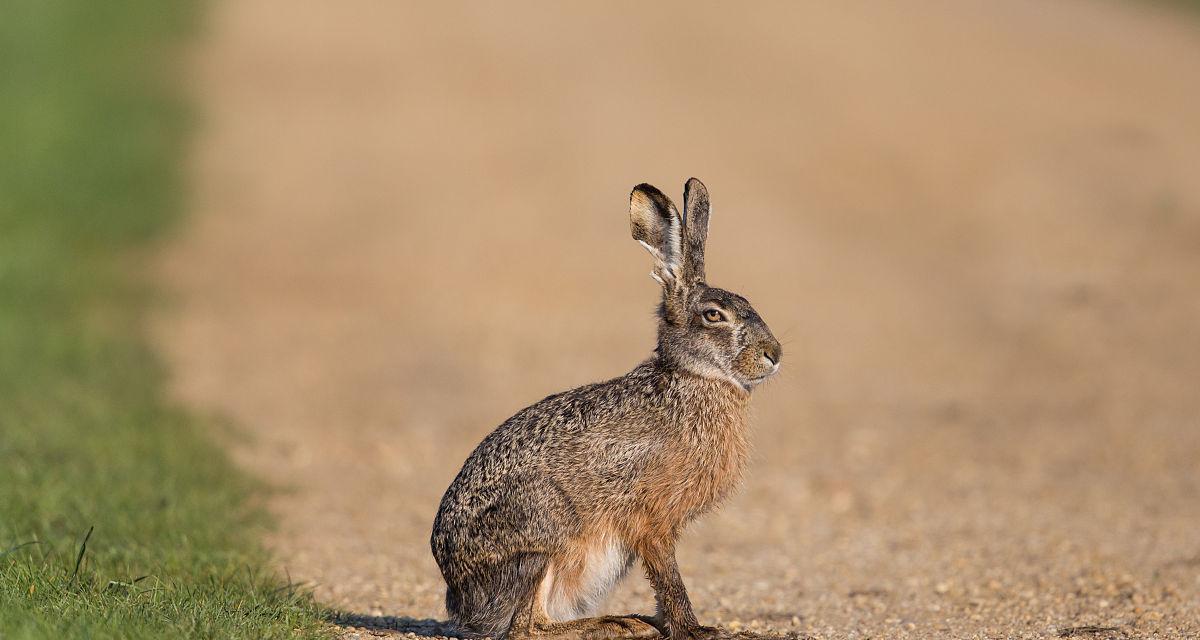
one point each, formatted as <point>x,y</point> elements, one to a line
<point>552,508</point>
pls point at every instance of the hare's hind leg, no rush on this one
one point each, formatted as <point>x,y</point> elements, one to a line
<point>529,624</point>
<point>568,589</point>
<point>582,574</point>
<point>492,595</point>
<point>601,628</point>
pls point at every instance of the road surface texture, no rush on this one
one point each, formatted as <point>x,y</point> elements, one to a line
<point>974,225</point>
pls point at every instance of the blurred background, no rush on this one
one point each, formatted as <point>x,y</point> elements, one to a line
<point>974,225</point>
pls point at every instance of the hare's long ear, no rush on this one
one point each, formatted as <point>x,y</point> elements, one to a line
<point>657,226</point>
<point>695,229</point>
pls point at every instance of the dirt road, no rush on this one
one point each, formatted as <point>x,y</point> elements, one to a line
<point>975,225</point>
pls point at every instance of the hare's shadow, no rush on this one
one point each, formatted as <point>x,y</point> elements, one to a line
<point>429,628</point>
<point>421,627</point>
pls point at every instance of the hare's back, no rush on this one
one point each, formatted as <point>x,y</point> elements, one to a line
<point>554,452</point>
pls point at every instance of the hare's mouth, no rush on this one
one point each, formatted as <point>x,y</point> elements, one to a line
<point>758,379</point>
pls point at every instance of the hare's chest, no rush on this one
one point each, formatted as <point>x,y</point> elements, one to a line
<point>714,469</point>
<point>695,475</point>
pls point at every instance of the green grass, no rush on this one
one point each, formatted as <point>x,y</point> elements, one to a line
<point>91,137</point>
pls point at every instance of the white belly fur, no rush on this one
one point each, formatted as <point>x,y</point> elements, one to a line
<point>604,567</point>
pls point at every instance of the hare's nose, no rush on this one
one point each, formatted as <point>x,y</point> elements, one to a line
<point>773,352</point>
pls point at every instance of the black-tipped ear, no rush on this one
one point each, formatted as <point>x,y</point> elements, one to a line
<point>657,225</point>
<point>695,228</point>
<point>655,222</point>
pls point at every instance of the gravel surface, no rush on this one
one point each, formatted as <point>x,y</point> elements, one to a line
<point>975,226</point>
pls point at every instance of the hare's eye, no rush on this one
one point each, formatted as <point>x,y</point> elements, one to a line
<point>713,315</point>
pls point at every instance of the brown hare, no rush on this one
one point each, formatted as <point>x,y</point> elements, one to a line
<point>552,508</point>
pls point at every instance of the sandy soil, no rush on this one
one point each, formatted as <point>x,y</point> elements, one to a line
<point>975,225</point>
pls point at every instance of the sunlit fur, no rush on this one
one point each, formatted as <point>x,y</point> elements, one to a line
<point>550,510</point>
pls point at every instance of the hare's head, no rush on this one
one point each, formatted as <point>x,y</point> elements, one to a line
<point>703,330</point>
